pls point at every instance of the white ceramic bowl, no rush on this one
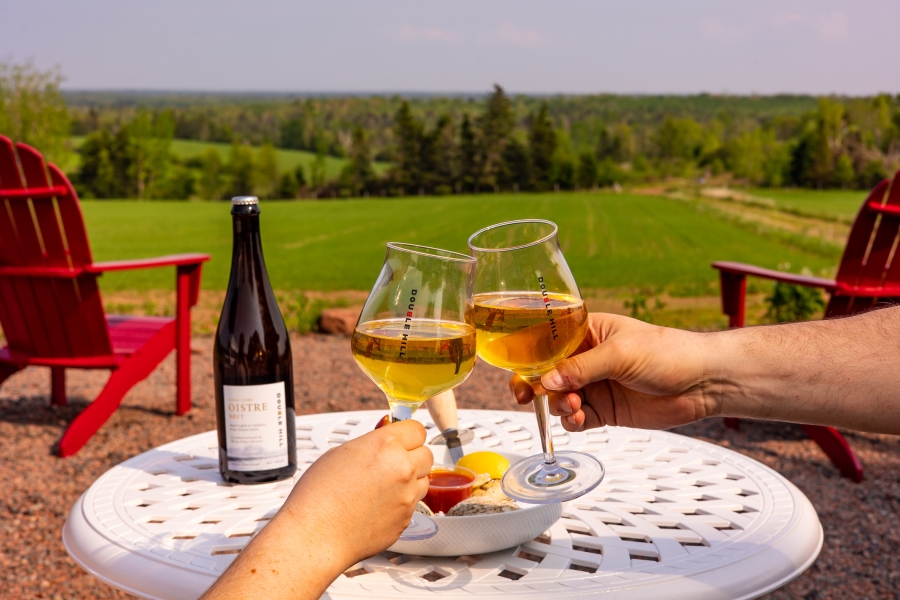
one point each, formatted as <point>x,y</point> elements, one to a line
<point>477,534</point>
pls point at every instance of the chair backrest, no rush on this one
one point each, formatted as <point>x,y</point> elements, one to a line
<point>48,306</point>
<point>870,259</point>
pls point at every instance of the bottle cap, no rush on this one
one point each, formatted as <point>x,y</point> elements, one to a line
<point>244,200</point>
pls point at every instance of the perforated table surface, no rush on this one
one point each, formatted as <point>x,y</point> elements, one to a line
<point>675,518</point>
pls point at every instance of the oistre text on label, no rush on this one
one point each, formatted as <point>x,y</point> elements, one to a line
<point>255,426</point>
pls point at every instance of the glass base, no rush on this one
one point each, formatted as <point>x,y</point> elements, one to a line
<point>531,480</point>
<point>420,527</point>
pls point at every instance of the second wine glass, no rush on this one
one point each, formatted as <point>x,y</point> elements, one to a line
<point>415,337</point>
<point>529,317</point>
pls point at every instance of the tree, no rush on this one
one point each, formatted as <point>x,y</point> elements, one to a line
<point>211,184</point>
<point>293,133</point>
<point>358,173</point>
<point>844,176</point>
<point>468,155</point>
<point>317,170</point>
<point>542,146</point>
<point>495,125</point>
<point>151,141</point>
<point>408,133</point>
<point>679,139</point>
<point>436,156</point>
<point>587,173</point>
<point>106,165</point>
<point>266,175</point>
<point>288,187</point>
<point>241,169</point>
<point>515,172</point>
<point>300,175</point>
<point>32,110</point>
<point>564,172</point>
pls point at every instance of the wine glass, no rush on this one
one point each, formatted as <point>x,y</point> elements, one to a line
<point>529,316</point>
<point>415,337</point>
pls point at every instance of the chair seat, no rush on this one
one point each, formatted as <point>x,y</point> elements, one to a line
<point>129,334</point>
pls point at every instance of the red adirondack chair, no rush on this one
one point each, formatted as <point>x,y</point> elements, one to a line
<point>868,275</point>
<point>50,306</point>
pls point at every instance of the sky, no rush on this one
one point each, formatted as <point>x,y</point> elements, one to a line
<point>564,46</point>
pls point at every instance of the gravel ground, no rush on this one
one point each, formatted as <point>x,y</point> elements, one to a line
<point>859,558</point>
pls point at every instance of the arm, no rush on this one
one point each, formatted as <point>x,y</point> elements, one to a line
<point>353,502</point>
<point>838,372</point>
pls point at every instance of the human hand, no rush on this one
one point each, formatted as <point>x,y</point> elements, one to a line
<point>353,502</point>
<point>628,373</point>
<point>361,495</point>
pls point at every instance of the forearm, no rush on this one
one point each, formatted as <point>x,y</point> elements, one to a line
<point>290,558</point>
<point>840,372</point>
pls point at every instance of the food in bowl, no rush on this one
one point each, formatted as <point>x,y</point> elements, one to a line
<point>483,505</point>
<point>448,485</point>
<point>482,532</point>
<point>491,463</point>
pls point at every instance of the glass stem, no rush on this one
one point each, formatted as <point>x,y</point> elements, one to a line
<point>542,411</point>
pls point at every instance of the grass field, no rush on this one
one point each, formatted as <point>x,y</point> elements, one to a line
<point>287,159</point>
<point>829,203</point>
<point>610,240</point>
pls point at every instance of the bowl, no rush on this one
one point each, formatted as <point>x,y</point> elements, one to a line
<point>478,534</point>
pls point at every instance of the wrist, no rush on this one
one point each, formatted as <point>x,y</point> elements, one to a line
<point>311,532</point>
<point>717,351</point>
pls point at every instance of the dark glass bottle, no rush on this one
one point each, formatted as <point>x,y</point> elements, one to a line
<point>252,364</point>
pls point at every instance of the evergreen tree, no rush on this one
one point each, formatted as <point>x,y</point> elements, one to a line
<point>408,132</point>
<point>495,126</point>
<point>468,156</point>
<point>588,170</point>
<point>436,154</point>
<point>288,186</point>
<point>542,146</point>
<point>564,172</point>
<point>358,173</point>
<point>515,172</point>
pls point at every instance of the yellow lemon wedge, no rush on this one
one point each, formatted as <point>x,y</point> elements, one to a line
<point>485,462</point>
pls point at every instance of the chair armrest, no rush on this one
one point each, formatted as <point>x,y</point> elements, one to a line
<point>754,271</point>
<point>172,260</point>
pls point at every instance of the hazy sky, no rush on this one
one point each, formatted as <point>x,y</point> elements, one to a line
<point>675,46</point>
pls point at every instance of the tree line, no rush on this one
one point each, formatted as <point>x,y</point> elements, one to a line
<point>451,145</point>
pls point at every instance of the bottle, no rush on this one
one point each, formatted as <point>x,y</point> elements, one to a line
<point>252,365</point>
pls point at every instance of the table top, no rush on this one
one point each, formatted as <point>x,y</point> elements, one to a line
<point>675,517</point>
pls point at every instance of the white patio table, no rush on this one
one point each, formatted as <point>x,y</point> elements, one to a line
<point>674,518</point>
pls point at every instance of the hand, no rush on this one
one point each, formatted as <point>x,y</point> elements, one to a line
<point>353,502</point>
<point>627,373</point>
<point>363,493</point>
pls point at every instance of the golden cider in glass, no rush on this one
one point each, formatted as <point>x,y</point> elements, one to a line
<point>528,332</point>
<point>412,364</point>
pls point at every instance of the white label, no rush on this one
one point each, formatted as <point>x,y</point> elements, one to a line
<point>256,426</point>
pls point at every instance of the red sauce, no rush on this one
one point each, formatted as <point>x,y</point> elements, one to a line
<point>447,488</point>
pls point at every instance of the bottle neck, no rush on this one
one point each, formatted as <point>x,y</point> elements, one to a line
<point>247,263</point>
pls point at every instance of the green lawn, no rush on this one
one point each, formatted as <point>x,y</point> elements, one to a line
<point>287,159</point>
<point>610,240</point>
<point>831,203</point>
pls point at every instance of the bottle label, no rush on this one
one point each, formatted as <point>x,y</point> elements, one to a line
<point>256,426</point>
